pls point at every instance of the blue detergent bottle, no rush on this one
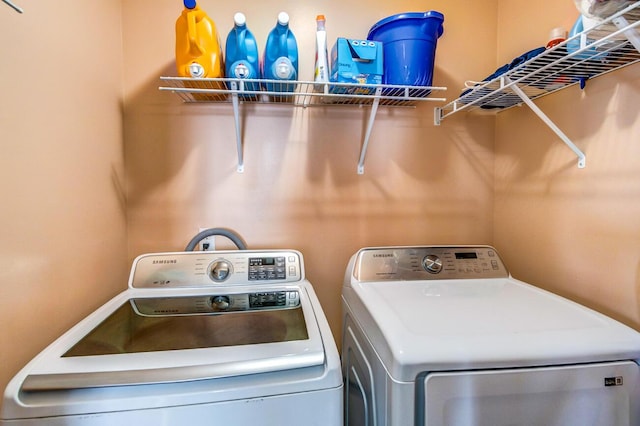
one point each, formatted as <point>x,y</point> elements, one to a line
<point>280,59</point>
<point>241,53</point>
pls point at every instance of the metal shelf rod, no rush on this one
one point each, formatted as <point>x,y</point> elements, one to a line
<point>372,119</point>
<point>236,116</point>
<point>548,122</point>
<point>630,33</point>
<point>13,6</point>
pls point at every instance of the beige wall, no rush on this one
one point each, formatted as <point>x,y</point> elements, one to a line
<point>422,184</point>
<point>573,231</point>
<point>63,240</point>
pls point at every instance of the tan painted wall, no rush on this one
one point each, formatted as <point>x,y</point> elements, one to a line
<point>573,231</point>
<point>422,184</point>
<point>63,239</point>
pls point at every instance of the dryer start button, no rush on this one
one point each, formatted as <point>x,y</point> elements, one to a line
<point>432,264</point>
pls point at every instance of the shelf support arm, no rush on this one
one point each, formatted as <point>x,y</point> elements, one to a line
<point>13,6</point>
<point>518,91</point>
<point>372,119</point>
<point>236,115</point>
<point>631,34</point>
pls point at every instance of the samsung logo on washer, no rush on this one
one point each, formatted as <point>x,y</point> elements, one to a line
<point>383,255</point>
<point>164,261</point>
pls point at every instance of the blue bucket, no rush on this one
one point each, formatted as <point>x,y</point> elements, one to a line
<point>409,46</point>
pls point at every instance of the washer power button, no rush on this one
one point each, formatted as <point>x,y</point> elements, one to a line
<point>220,270</point>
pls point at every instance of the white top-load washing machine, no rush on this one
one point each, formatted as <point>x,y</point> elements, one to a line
<point>445,336</point>
<point>198,338</point>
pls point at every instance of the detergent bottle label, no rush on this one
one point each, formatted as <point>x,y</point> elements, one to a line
<point>283,68</point>
<point>242,69</point>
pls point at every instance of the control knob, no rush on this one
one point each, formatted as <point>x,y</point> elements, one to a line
<point>220,270</point>
<point>432,264</point>
<point>220,303</point>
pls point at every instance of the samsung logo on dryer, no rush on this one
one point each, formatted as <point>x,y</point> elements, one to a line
<point>383,255</point>
<point>164,261</point>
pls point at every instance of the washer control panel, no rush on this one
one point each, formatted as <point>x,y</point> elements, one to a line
<point>267,268</point>
<point>216,268</point>
<point>428,263</point>
<point>217,303</point>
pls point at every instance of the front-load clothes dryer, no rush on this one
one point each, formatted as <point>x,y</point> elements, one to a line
<point>198,338</point>
<point>443,335</point>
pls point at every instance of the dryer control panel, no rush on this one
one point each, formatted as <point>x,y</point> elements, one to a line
<point>428,263</point>
<point>216,268</point>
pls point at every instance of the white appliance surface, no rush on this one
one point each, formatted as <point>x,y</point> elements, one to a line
<point>441,335</point>
<point>483,324</point>
<point>238,336</point>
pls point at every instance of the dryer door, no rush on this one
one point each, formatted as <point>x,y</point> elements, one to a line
<point>592,394</point>
<point>360,385</point>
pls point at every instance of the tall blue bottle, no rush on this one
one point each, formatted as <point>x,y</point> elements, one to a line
<point>241,53</point>
<point>280,59</point>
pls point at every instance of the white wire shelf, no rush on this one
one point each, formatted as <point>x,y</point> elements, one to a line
<point>296,93</point>
<point>612,44</point>
<point>585,56</point>
<point>299,94</point>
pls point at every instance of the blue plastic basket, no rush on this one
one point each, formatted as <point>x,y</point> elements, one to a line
<point>409,46</point>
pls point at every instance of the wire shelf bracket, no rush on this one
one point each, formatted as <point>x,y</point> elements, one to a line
<point>610,45</point>
<point>236,115</point>
<point>13,6</point>
<point>370,121</point>
<point>518,91</point>
<point>303,94</point>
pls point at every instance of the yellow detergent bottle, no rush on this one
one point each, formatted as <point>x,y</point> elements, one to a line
<point>198,51</point>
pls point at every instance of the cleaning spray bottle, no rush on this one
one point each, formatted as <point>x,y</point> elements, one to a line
<point>321,74</point>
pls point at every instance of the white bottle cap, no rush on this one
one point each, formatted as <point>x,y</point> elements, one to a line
<point>239,19</point>
<point>283,18</point>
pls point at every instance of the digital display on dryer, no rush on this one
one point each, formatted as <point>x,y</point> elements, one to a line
<point>467,255</point>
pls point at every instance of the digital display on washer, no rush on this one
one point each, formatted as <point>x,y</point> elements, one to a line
<point>263,261</point>
<point>467,255</point>
<point>269,299</point>
<point>128,331</point>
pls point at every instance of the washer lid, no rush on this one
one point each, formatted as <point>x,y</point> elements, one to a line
<point>455,324</point>
<point>142,337</point>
